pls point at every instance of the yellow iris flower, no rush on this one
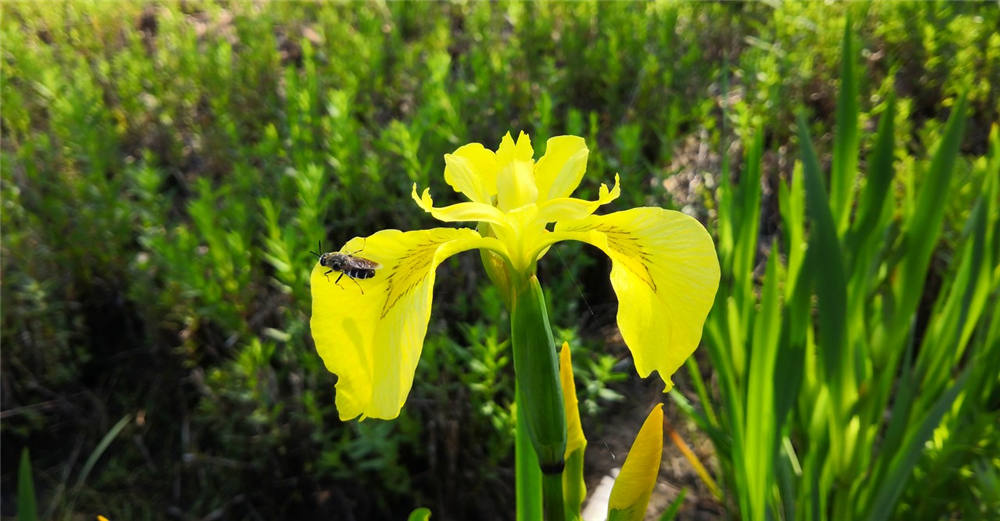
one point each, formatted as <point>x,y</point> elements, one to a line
<point>664,268</point>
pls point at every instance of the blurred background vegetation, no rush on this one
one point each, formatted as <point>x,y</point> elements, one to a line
<point>166,167</point>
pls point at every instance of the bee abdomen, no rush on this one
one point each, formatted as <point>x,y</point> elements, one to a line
<point>360,273</point>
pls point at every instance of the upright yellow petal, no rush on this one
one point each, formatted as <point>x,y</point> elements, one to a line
<point>634,484</point>
<point>510,150</point>
<point>516,186</point>
<point>472,170</point>
<point>370,332</point>
<point>560,170</point>
<point>665,272</point>
<point>515,176</point>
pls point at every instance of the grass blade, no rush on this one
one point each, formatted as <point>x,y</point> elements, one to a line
<point>27,509</point>
<point>845,141</point>
<point>879,176</point>
<point>675,506</point>
<point>924,226</point>
<point>761,429</point>
<point>827,269</point>
<point>100,448</point>
<point>791,201</point>
<point>749,224</point>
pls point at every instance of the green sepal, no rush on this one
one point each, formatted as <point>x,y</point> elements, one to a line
<point>632,513</point>
<point>496,266</point>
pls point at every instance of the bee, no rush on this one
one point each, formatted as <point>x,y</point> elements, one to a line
<point>347,264</point>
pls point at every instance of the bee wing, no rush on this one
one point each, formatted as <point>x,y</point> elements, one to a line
<point>364,263</point>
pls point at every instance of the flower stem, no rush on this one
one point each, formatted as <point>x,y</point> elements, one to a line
<point>527,473</point>
<point>552,494</point>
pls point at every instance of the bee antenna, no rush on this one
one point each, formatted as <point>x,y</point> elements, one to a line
<point>319,246</point>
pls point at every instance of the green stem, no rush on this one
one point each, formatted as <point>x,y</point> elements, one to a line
<point>552,493</point>
<point>536,369</point>
<point>527,473</point>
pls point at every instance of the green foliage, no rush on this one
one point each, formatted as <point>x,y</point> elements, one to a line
<point>166,168</point>
<point>861,375</point>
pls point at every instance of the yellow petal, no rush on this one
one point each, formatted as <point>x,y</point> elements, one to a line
<point>515,176</point>
<point>370,332</point>
<point>634,484</point>
<point>560,170</point>
<point>574,486</point>
<point>457,212</point>
<point>516,186</point>
<point>510,151</point>
<point>472,170</point>
<point>665,272</point>
<point>572,209</point>
<point>574,430</point>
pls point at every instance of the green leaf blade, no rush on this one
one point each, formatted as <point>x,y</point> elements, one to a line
<point>827,268</point>
<point>845,142</point>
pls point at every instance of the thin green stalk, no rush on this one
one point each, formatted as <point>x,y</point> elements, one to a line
<point>699,386</point>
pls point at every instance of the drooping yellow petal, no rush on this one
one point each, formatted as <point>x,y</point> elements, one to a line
<point>572,209</point>
<point>472,170</point>
<point>560,170</point>
<point>370,332</point>
<point>665,272</point>
<point>634,484</point>
<point>457,212</point>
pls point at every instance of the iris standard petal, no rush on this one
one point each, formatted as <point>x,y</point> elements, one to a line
<point>370,332</point>
<point>516,185</point>
<point>472,170</point>
<point>560,170</point>
<point>665,272</point>
<point>509,150</point>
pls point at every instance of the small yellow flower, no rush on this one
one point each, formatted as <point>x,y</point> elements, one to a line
<point>664,268</point>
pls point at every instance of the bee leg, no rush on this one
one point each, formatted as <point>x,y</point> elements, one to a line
<point>337,282</point>
<point>358,283</point>
<point>327,274</point>
<point>362,247</point>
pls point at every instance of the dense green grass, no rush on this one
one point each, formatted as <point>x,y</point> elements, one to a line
<point>166,168</point>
